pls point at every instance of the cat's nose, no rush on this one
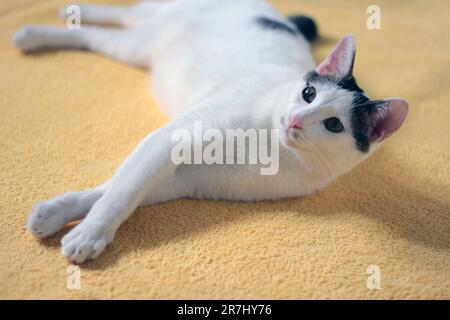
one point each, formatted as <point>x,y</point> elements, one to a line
<point>295,123</point>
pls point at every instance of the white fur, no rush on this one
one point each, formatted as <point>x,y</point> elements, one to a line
<point>210,62</point>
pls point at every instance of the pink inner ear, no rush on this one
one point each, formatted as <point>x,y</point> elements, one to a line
<point>340,62</point>
<point>389,118</point>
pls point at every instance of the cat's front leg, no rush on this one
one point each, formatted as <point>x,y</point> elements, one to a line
<point>50,216</point>
<point>148,167</point>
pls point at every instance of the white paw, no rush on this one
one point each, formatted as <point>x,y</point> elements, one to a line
<point>28,38</point>
<point>86,241</point>
<point>45,219</point>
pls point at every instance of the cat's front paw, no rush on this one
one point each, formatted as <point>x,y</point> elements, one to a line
<point>86,241</point>
<point>45,219</point>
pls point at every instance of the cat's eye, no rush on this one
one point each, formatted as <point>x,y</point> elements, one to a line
<point>309,94</point>
<point>333,125</point>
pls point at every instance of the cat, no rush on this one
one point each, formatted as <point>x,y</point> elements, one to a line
<point>226,64</point>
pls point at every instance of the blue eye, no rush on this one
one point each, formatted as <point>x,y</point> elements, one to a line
<point>333,125</point>
<point>309,94</point>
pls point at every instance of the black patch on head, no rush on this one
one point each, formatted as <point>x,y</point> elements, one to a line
<point>362,107</point>
<point>306,25</point>
<point>360,114</point>
<point>275,25</point>
<point>349,84</point>
<point>361,124</point>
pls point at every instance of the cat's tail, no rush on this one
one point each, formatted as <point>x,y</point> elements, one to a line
<point>306,25</point>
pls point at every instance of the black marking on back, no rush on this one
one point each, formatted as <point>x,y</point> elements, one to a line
<point>362,107</point>
<point>306,25</point>
<point>272,24</point>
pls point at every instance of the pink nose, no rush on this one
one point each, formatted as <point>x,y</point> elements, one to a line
<point>295,123</point>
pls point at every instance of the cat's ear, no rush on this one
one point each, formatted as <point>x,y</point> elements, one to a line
<point>387,118</point>
<point>339,64</point>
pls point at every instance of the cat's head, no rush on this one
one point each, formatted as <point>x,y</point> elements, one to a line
<point>331,120</point>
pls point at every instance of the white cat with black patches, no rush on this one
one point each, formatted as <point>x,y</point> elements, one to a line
<point>229,64</point>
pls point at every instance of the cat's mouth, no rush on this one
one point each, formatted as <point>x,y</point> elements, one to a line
<point>293,138</point>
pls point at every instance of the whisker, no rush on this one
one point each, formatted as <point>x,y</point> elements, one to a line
<point>322,162</point>
<point>315,154</point>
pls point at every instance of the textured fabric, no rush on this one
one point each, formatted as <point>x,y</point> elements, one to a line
<point>68,119</point>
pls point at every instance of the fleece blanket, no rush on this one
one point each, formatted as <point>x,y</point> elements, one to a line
<point>68,119</point>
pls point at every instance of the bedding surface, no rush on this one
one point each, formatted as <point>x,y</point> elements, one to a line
<point>68,119</point>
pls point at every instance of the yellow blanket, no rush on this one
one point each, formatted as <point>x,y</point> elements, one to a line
<point>68,119</point>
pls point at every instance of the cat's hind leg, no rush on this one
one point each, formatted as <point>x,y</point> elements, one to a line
<point>130,46</point>
<point>48,217</point>
<point>100,14</point>
<point>131,16</point>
